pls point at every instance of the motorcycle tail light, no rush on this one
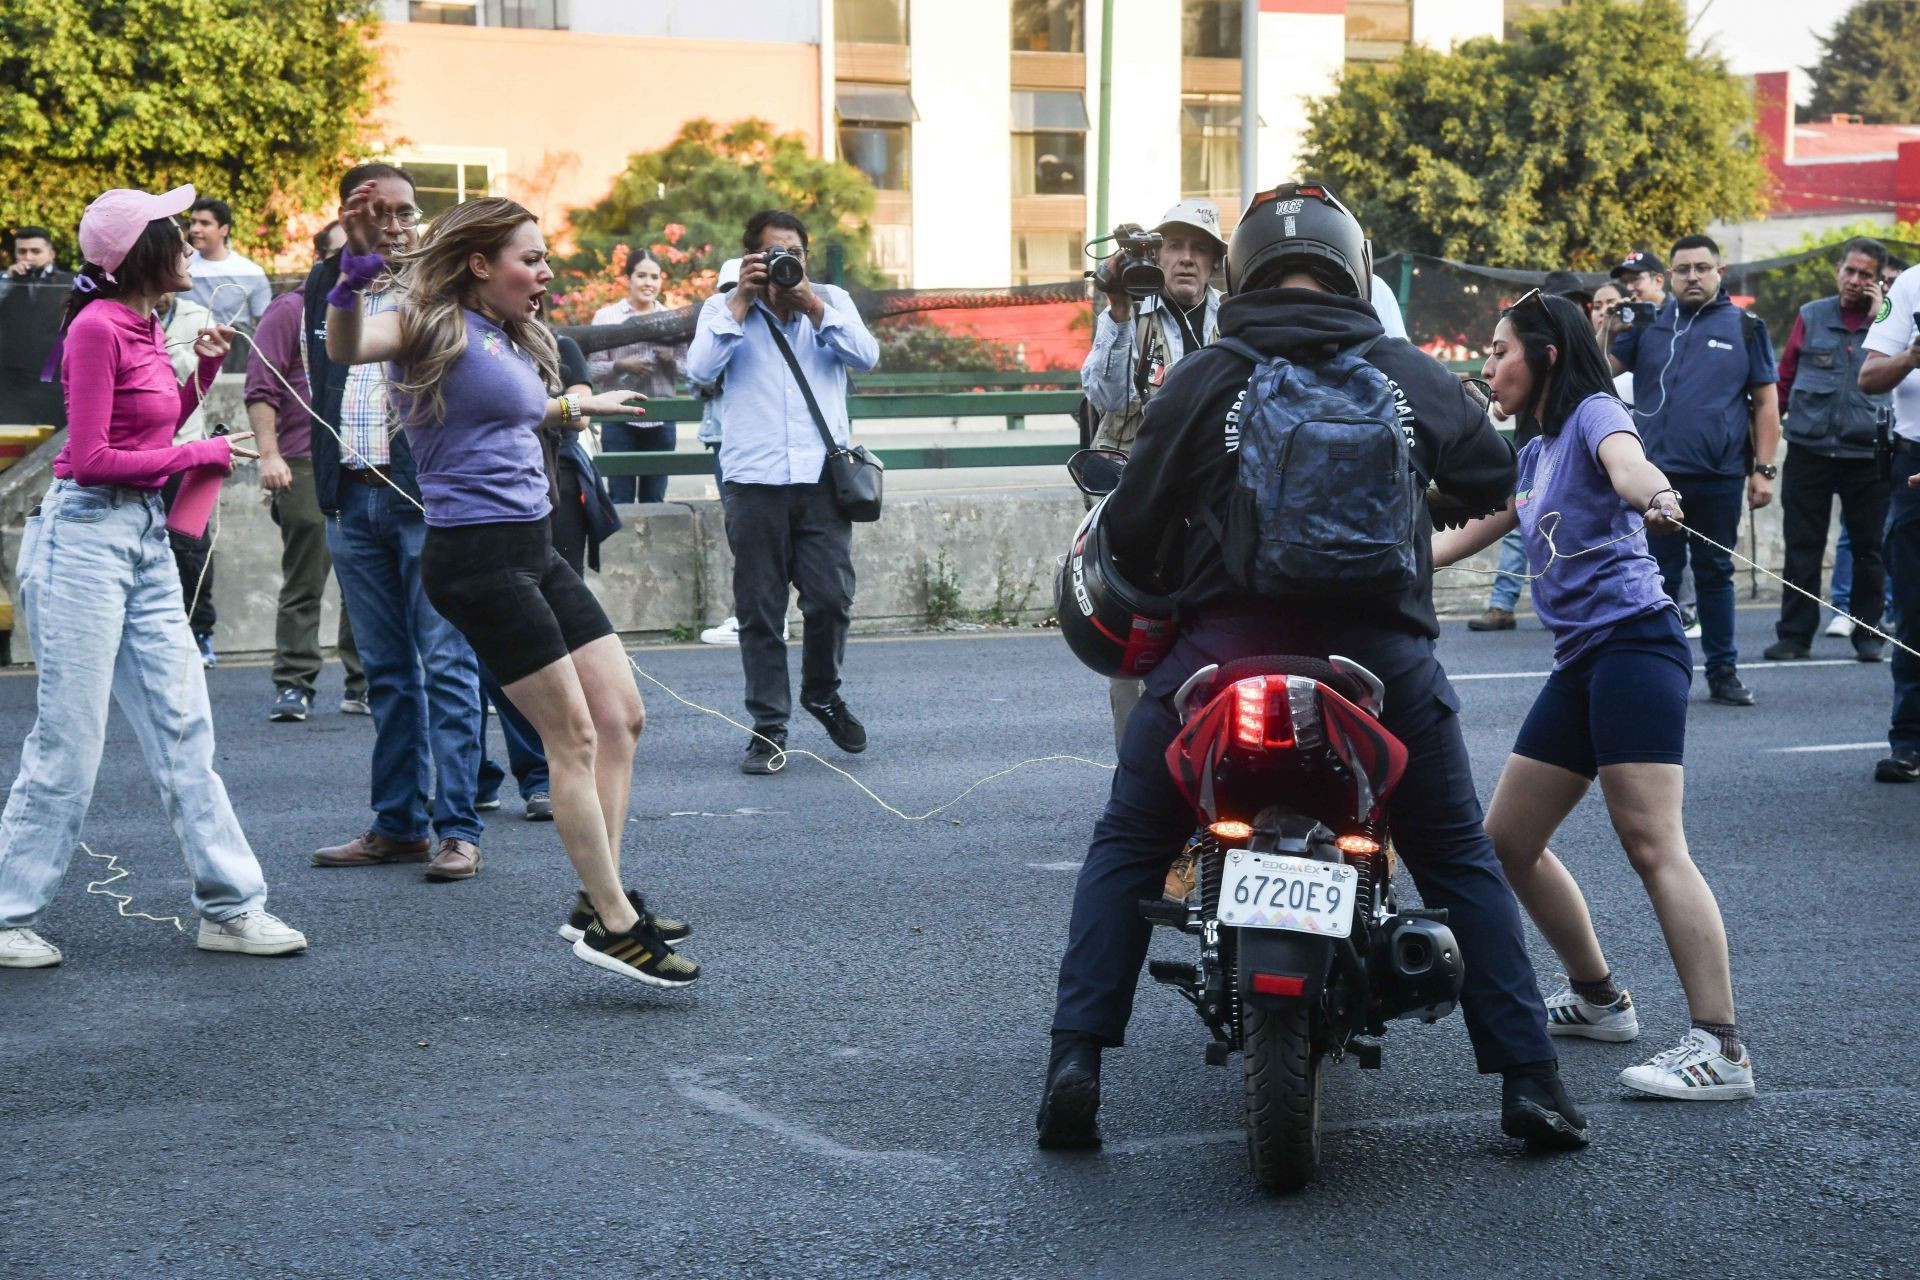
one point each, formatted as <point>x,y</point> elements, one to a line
<point>1262,713</point>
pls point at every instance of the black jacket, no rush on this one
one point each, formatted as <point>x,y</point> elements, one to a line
<point>329,383</point>
<point>1184,455</point>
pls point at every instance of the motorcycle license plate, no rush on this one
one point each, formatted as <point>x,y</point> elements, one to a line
<point>1275,891</point>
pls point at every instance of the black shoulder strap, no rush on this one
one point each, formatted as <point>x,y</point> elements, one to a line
<point>806,389</point>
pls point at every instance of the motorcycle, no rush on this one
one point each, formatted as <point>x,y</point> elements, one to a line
<point>1287,884</point>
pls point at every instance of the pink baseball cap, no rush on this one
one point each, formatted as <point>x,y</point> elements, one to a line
<point>115,220</point>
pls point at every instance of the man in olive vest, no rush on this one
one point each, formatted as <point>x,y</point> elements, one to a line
<point>1136,343</point>
<point>1830,434</point>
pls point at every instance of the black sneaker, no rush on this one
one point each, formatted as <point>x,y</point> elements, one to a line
<point>847,733</point>
<point>1072,1097</point>
<point>289,706</point>
<point>1868,647</point>
<point>1724,687</point>
<point>639,953</point>
<point>1901,765</point>
<point>766,753</point>
<point>1534,1106</point>
<point>583,915</point>
<point>539,807</point>
<point>1786,651</point>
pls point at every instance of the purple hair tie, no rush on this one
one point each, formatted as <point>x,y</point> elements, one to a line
<point>84,283</point>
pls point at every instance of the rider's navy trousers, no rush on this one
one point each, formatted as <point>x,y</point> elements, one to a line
<point>1434,816</point>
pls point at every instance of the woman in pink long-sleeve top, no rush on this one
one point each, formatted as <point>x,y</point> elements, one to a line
<point>101,596</point>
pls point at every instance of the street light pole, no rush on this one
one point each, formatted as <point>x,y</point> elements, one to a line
<point>1249,100</point>
<point>1106,117</point>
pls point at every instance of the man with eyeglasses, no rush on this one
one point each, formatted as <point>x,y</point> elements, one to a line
<point>423,681</point>
<point>1707,406</point>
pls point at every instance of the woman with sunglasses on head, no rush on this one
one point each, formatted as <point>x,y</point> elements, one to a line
<point>474,373</point>
<point>1615,706</point>
<point>99,586</point>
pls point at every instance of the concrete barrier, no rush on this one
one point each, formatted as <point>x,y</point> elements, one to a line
<point>934,558</point>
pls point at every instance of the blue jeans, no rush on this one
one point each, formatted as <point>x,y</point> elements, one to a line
<point>526,754</point>
<point>423,681</point>
<point>1713,505</point>
<point>1513,560</point>
<point>1903,562</point>
<point>101,596</point>
<point>633,437</point>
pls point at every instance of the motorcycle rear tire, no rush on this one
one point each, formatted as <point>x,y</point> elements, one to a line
<point>1282,1081</point>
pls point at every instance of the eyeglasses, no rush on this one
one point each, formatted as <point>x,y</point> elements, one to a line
<point>1695,269</point>
<point>1531,295</point>
<point>405,217</point>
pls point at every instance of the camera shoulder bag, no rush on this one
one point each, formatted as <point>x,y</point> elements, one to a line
<point>854,474</point>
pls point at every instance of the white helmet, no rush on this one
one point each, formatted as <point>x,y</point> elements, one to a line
<point>1199,215</point>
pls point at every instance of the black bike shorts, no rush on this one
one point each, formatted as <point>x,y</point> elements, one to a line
<point>1623,701</point>
<point>506,589</point>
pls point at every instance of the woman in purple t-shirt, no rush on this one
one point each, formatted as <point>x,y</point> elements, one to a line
<point>474,372</point>
<point>1616,704</point>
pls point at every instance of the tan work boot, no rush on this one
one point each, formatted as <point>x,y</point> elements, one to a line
<point>370,850</point>
<point>455,860</point>
<point>1493,620</point>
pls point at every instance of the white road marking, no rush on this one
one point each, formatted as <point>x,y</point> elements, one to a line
<point>720,1102</point>
<point>1745,666</point>
<point>1055,866</point>
<point>1834,746</point>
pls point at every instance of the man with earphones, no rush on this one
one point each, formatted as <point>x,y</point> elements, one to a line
<point>1707,406</point>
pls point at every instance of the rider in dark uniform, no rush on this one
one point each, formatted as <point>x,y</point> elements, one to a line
<point>1299,270</point>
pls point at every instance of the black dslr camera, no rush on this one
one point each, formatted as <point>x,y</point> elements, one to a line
<point>785,266</point>
<point>1134,266</point>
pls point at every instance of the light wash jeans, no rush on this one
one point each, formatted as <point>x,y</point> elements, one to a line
<point>102,598</point>
<point>1513,561</point>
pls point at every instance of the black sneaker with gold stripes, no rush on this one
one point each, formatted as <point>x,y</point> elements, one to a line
<point>674,931</point>
<point>639,953</point>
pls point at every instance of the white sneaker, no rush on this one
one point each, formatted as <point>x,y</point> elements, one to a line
<point>1569,1015</point>
<point>727,632</point>
<point>1695,1071</point>
<point>253,933</point>
<point>25,949</point>
<point>1840,628</point>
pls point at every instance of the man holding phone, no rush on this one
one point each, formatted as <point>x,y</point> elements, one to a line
<point>1893,365</point>
<point>783,523</point>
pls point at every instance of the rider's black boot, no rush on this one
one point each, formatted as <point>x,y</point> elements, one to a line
<point>1534,1105</point>
<point>1073,1093</point>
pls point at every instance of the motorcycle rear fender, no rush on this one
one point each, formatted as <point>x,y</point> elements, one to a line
<point>1286,955</point>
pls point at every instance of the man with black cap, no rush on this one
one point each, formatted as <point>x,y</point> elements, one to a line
<point>1299,269</point>
<point>1513,548</point>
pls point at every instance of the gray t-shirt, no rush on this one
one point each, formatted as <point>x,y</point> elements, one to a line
<point>1583,599</point>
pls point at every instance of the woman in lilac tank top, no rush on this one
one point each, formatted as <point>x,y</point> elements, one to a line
<point>474,375</point>
<point>1615,706</point>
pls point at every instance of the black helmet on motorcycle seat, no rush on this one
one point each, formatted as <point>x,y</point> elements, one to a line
<point>1303,227</point>
<point>1117,629</point>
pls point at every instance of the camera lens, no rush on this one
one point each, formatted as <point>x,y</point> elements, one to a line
<point>786,271</point>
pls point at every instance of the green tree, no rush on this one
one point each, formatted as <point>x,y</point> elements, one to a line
<point>1591,130</point>
<point>1870,65</point>
<point>259,102</point>
<point>710,179</point>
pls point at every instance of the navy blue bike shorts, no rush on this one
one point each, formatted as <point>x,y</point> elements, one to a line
<point>1623,701</point>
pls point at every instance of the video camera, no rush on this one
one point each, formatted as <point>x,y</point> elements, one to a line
<point>1133,268</point>
<point>785,266</point>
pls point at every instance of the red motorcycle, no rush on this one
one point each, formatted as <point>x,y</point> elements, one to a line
<point>1304,954</point>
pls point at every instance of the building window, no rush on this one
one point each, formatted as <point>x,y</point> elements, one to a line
<point>1049,143</point>
<point>439,187</point>
<point>1210,148</point>
<point>876,131</point>
<point>870,21</point>
<point>544,15</point>
<point>1046,257</point>
<point>1378,30</point>
<point>1050,26</point>
<point>452,15</point>
<point>1210,28</point>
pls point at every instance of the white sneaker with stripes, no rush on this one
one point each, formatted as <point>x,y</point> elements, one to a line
<point>1694,1071</point>
<point>1569,1015</point>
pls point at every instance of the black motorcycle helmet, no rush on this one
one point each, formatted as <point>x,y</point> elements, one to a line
<point>1112,626</point>
<point>1300,225</point>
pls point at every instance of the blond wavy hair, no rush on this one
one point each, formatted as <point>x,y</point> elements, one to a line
<point>437,288</point>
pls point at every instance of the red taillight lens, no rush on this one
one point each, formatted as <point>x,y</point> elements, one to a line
<point>1278,984</point>
<point>1262,718</point>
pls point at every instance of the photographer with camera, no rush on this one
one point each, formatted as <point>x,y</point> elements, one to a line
<point>784,345</point>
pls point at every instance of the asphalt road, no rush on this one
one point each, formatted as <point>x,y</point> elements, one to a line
<point>438,1088</point>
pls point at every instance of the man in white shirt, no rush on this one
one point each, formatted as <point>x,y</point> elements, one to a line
<point>1893,364</point>
<point>234,289</point>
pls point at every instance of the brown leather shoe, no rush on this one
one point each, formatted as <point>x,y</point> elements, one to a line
<point>455,860</point>
<point>370,850</point>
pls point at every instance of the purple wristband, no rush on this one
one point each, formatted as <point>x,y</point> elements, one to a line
<point>357,271</point>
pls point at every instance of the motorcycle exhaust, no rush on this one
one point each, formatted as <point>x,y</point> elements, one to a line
<point>1419,968</point>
